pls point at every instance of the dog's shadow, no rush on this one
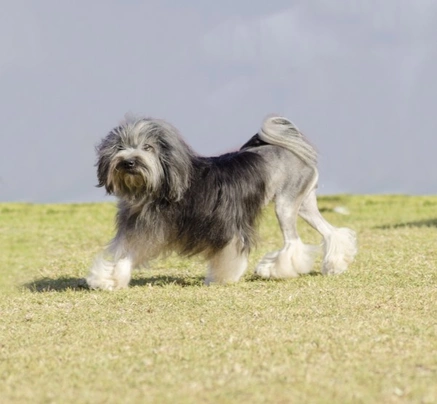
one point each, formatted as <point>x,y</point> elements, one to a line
<point>64,284</point>
<point>257,278</point>
<point>164,280</point>
<point>61,284</point>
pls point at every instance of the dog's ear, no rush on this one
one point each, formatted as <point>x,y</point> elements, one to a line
<point>175,158</point>
<point>102,174</point>
<point>175,182</point>
<point>103,159</point>
<point>177,166</point>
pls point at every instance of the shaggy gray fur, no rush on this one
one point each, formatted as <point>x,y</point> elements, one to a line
<point>171,199</point>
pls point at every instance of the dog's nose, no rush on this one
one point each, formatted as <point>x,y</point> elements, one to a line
<point>129,164</point>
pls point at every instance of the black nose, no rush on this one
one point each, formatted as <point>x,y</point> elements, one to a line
<point>129,164</point>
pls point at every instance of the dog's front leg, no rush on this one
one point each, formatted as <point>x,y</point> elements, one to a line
<point>110,275</point>
<point>122,273</point>
<point>101,274</point>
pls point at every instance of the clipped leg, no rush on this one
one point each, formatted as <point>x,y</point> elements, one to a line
<point>295,257</point>
<point>340,244</point>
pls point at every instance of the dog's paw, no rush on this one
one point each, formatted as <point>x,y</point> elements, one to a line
<point>340,252</point>
<point>266,267</point>
<point>331,269</point>
<point>336,265</point>
<point>100,283</point>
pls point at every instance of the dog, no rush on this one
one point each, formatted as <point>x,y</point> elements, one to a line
<point>172,199</point>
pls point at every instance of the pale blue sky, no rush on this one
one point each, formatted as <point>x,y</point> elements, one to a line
<point>357,77</point>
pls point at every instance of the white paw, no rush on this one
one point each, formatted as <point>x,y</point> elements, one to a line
<point>122,273</point>
<point>101,275</point>
<point>341,252</point>
<point>100,283</point>
<point>330,268</point>
<point>337,264</point>
<point>266,267</point>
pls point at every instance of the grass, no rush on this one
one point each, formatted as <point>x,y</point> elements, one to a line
<point>367,336</point>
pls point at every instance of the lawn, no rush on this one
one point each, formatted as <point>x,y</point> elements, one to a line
<point>366,336</point>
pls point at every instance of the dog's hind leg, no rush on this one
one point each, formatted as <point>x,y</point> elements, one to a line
<point>228,265</point>
<point>295,257</point>
<point>340,245</point>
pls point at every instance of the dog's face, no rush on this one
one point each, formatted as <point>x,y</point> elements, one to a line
<point>144,159</point>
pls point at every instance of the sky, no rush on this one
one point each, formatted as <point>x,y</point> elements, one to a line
<point>358,77</point>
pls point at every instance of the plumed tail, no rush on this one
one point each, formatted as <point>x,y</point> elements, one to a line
<point>279,131</point>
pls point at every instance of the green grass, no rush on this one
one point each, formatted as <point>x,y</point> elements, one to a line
<point>367,336</point>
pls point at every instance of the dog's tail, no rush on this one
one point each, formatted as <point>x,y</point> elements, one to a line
<point>279,131</point>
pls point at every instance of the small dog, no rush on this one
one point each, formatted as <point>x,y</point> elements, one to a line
<point>171,199</point>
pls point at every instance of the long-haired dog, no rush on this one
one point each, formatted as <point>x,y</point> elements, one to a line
<point>171,199</point>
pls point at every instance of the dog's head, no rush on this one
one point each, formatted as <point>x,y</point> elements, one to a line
<point>144,159</point>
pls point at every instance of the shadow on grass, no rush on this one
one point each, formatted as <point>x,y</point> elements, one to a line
<point>56,285</point>
<point>163,280</point>
<point>63,284</point>
<point>257,278</point>
<point>79,284</point>
<point>419,223</point>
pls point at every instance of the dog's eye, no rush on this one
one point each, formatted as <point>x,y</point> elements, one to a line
<point>147,147</point>
<point>119,147</point>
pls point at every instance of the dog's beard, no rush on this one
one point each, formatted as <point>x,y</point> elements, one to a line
<point>130,184</point>
<point>140,183</point>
